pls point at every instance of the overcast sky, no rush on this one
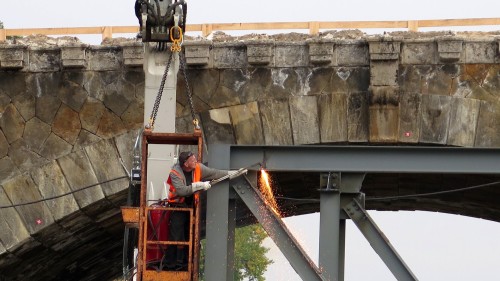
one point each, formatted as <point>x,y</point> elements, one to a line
<point>435,246</point>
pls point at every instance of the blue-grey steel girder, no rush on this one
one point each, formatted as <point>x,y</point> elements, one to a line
<point>375,159</point>
<point>378,241</point>
<point>278,231</point>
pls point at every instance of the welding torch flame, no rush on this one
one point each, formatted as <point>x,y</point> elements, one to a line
<point>267,191</point>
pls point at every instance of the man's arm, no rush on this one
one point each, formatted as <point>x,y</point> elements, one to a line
<point>211,173</point>
<point>181,188</point>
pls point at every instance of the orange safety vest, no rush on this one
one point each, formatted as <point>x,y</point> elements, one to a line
<point>172,194</point>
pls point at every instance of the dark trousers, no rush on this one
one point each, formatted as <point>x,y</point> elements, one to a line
<point>178,229</point>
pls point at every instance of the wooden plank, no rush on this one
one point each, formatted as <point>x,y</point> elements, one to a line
<point>3,35</point>
<point>413,25</point>
<point>313,27</point>
<point>459,22</point>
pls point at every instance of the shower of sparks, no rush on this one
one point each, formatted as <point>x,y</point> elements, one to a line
<point>267,191</point>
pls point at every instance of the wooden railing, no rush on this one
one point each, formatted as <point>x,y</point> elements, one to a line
<point>314,27</point>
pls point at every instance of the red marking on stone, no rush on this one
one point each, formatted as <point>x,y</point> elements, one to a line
<point>407,134</point>
<point>39,221</point>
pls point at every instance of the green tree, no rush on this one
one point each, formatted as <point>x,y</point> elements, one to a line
<point>250,259</point>
<point>1,24</point>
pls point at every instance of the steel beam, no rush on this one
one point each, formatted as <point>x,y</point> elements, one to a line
<point>277,230</point>
<point>378,241</point>
<point>369,159</point>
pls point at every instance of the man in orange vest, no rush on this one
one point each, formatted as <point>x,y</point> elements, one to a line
<point>186,177</point>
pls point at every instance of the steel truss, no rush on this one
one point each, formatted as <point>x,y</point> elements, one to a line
<point>343,169</point>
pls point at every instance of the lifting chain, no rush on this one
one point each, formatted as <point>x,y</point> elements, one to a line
<point>175,48</point>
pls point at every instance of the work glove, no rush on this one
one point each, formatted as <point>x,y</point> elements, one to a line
<point>201,185</point>
<point>236,173</point>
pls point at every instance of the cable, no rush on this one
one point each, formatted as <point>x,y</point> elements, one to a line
<point>432,193</point>
<point>61,195</point>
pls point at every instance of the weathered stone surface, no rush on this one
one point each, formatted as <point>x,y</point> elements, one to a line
<point>4,145</point>
<point>350,79</point>
<point>357,117</point>
<point>450,50</point>
<point>197,53</point>
<point>7,169</point>
<point>46,108</point>
<point>110,125</point>
<point>304,119</point>
<point>12,124</point>
<point>84,139</point>
<point>435,119</point>
<point>25,105</point>
<point>44,60</point>
<point>35,134</point>
<point>106,163</point>
<point>319,81</point>
<point>386,48</point>
<point>73,56</point>
<point>133,55</point>
<point>217,126</point>
<point>275,116</point>
<point>81,178</point>
<point>261,53</point>
<point>285,82</point>
<point>291,55</point>
<point>416,53</point>
<point>12,83</point>
<point>463,121</point>
<point>488,125</point>
<point>125,145</point>
<point>12,229</point>
<point>23,157</point>
<point>332,113</point>
<point>72,94</point>
<point>320,52</point>
<point>55,147</point>
<point>90,114</point>
<point>384,73</point>
<point>118,96</point>
<point>36,216</point>
<point>246,123</point>
<point>67,124</point>
<point>352,54</point>
<point>51,182</point>
<point>104,58</point>
<point>384,114</point>
<point>409,117</point>
<point>232,55</point>
<point>44,83</point>
<point>13,56</point>
<point>480,51</point>
<point>4,102</point>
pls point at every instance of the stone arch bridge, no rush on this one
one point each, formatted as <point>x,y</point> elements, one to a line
<point>69,114</point>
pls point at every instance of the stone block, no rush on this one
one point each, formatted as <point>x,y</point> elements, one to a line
<point>384,48</point>
<point>104,58</point>
<point>304,119</point>
<point>291,55</point>
<point>4,145</point>
<point>217,126</point>
<point>384,73</point>
<point>7,169</point>
<point>13,56</point>
<point>25,104</point>
<point>105,162</point>
<point>357,117</point>
<point>84,139</point>
<point>91,113</point>
<point>51,183</point>
<point>485,51</point>
<point>12,229</point>
<point>332,110</point>
<point>419,52</point>
<point>260,52</point>
<point>55,147</point>
<point>245,119</point>
<point>409,117</point>
<point>133,55</point>
<point>67,124</point>
<point>44,59</point>
<point>72,94</point>
<point>35,133</point>
<point>435,119</point>
<point>73,56</point>
<point>23,157</point>
<point>276,126</point>
<point>450,49</point>
<point>229,55</point>
<point>46,108</point>
<point>12,123</point>
<point>81,178</point>
<point>383,114</point>
<point>354,53</point>
<point>463,122</point>
<point>197,52</point>
<point>320,52</point>
<point>35,216</point>
<point>110,125</point>
<point>488,125</point>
